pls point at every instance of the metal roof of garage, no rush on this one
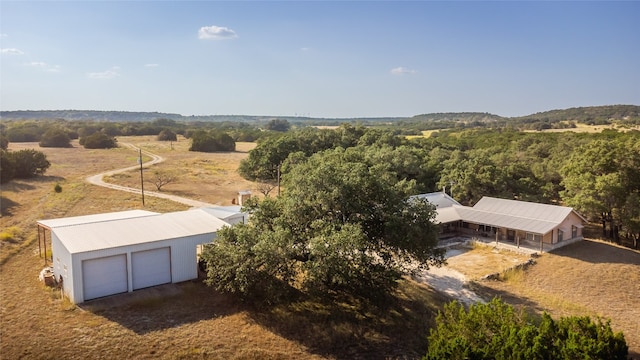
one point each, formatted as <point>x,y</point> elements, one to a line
<point>130,231</point>
<point>87,219</point>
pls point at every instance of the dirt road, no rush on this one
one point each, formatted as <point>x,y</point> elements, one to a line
<point>155,159</point>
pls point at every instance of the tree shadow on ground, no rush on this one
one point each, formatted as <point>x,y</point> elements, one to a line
<point>344,327</point>
<point>17,186</point>
<point>597,252</point>
<point>162,307</point>
<point>485,291</point>
<point>6,206</point>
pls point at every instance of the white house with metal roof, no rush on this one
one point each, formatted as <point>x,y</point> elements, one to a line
<point>519,222</point>
<point>106,254</point>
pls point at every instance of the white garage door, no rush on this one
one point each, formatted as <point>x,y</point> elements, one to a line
<point>151,267</point>
<point>104,276</point>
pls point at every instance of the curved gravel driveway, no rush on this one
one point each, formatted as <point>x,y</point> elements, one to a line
<point>155,159</point>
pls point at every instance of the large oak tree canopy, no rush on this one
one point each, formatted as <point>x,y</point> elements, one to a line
<point>344,223</point>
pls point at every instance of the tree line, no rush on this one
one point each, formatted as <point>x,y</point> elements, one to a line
<point>35,130</point>
<point>596,173</point>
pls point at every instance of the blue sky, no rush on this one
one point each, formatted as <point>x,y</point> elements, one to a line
<point>319,59</point>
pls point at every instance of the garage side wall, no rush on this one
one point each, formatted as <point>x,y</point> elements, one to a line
<point>63,266</point>
<point>184,258</point>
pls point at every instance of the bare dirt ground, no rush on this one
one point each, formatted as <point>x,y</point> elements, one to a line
<point>466,264</point>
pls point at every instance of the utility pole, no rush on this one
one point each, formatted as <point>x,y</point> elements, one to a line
<point>141,176</point>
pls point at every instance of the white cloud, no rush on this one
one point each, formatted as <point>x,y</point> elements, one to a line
<point>44,66</point>
<point>151,65</point>
<point>305,49</point>
<point>402,71</point>
<point>4,35</point>
<point>216,33</point>
<point>107,74</point>
<point>12,51</point>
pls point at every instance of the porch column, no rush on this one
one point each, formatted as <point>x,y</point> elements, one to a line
<point>541,244</point>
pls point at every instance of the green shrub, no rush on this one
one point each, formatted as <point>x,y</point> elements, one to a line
<point>55,137</point>
<point>98,140</point>
<point>167,135</point>
<point>212,141</point>
<point>4,142</point>
<point>7,166</point>
<point>57,188</point>
<point>28,163</point>
<point>497,331</point>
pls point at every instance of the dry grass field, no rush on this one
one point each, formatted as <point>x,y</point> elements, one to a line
<point>590,278</point>
<point>584,128</point>
<point>190,320</point>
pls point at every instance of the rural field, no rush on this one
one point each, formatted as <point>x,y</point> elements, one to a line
<point>190,320</point>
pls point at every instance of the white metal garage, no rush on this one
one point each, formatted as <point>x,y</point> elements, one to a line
<point>101,255</point>
<point>98,283</point>
<point>151,267</point>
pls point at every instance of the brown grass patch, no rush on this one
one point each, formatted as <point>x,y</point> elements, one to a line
<point>483,260</point>
<point>207,177</point>
<point>584,128</point>
<point>587,278</point>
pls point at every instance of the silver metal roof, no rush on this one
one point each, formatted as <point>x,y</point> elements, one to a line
<point>87,219</point>
<point>520,215</point>
<point>447,214</point>
<point>523,209</point>
<point>224,212</point>
<point>136,230</point>
<point>508,221</point>
<point>439,199</point>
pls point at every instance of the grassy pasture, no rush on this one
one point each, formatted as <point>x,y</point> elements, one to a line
<point>190,320</point>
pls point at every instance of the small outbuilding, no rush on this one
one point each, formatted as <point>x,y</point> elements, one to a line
<point>106,254</point>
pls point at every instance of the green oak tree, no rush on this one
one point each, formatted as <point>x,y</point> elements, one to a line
<point>343,224</point>
<point>594,182</point>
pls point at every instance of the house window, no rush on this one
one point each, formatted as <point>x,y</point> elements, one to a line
<point>574,231</point>
<point>560,235</point>
<point>534,237</point>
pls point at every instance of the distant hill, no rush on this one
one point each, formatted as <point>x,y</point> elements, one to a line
<point>462,116</point>
<point>592,115</point>
<point>588,115</point>
<point>131,116</point>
